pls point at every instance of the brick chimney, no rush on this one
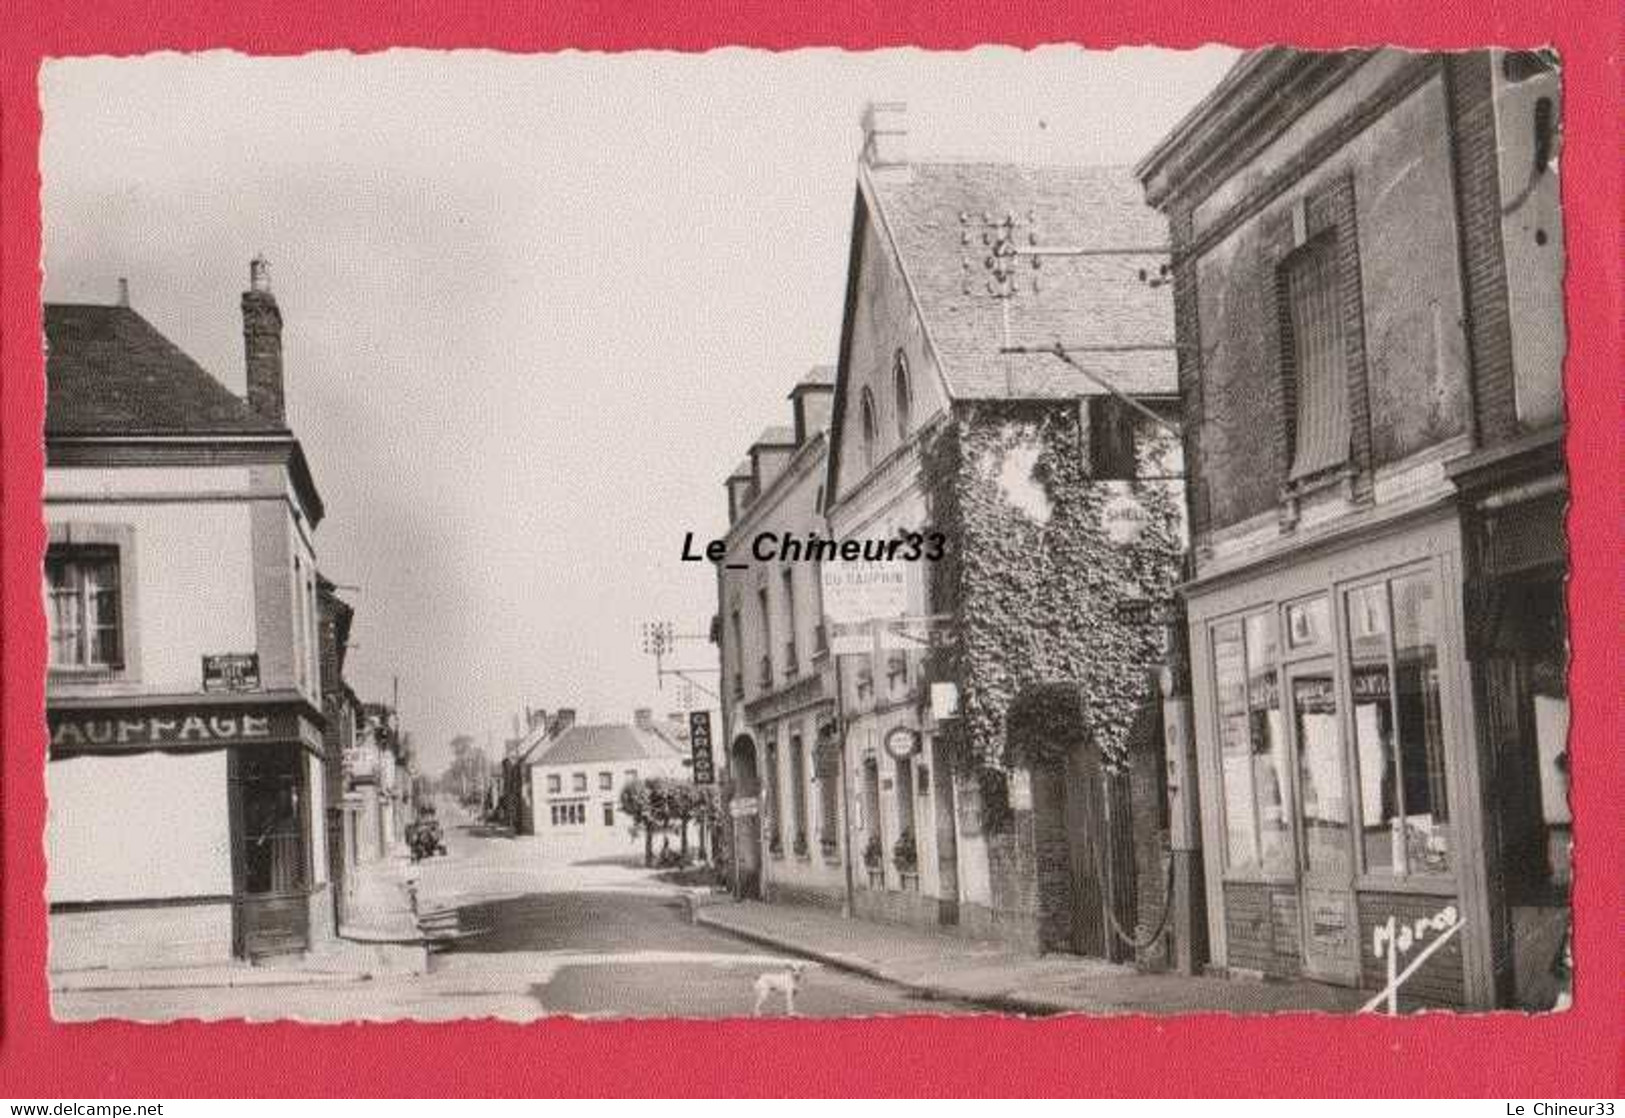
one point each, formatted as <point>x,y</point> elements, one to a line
<point>643,718</point>
<point>885,138</point>
<point>563,719</point>
<point>262,344</point>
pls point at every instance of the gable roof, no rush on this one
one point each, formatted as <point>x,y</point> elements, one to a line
<point>109,371</point>
<point>933,221</point>
<point>610,742</point>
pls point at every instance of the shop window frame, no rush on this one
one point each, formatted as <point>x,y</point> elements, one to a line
<point>1388,880</point>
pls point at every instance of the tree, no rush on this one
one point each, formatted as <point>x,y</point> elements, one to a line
<point>638,802</point>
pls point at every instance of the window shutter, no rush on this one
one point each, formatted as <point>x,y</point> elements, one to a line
<point>1320,367</point>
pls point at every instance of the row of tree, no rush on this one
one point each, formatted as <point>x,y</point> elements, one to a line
<point>660,806</point>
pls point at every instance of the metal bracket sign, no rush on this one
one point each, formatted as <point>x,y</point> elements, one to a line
<point>699,746</point>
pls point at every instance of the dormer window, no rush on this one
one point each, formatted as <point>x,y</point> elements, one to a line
<point>869,429</point>
<point>904,400</point>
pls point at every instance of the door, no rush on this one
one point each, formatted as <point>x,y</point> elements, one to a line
<point>1331,929</point>
<point>272,850</point>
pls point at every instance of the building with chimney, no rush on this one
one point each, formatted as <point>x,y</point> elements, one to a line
<point>1368,260</point>
<point>778,694</point>
<point>992,718</point>
<point>187,782</point>
<point>577,777</point>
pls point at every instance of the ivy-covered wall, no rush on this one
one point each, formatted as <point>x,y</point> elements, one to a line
<point>1034,581</point>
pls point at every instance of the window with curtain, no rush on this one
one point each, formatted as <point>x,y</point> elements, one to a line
<point>1317,381</point>
<point>83,608</point>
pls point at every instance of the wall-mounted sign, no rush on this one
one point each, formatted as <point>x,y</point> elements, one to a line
<point>944,700</point>
<point>864,591</point>
<point>103,731</point>
<point>232,671</point>
<point>699,745</point>
<point>902,743</point>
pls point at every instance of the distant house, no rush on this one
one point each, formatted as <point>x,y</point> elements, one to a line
<point>575,782</point>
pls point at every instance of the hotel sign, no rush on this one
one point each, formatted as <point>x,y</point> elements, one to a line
<point>113,731</point>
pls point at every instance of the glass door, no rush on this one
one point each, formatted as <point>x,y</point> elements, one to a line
<point>1326,841</point>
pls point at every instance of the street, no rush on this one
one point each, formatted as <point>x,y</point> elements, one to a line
<point>585,939</point>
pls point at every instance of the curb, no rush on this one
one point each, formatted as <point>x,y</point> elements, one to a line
<point>998,1003</point>
<point>306,978</point>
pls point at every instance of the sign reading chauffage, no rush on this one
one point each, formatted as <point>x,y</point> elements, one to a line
<point>92,731</point>
<point>856,592</point>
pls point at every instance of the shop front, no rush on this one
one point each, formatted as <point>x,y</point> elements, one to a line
<point>185,833</point>
<point>1337,767</point>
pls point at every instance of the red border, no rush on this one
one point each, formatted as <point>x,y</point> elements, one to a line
<point>1569,1056</point>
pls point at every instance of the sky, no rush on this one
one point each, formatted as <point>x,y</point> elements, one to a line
<point>535,307</point>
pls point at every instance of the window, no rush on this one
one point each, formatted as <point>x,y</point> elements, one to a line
<point>827,767</point>
<point>1112,426</point>
<point>1398,731</point>
<point>798,792</point>
<point>1315,380</point>
<point>82,603</point>
<point>609,815</point>
<point>765,605</point>
<point>905,402</point>
<point>606,781</point>
<point>569,815</point>
<point>1254,766</point>
<point>301,659</point>
<point>775,801</point>
<point>870,432</point>
<point>788,575</point>
<point>555,783</point>
<point>578,782</point>
<point>631,775</point>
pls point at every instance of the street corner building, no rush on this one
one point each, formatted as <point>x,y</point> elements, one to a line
<point>186,773</point>
<point>566,780</point>
<point>1367,257</point>
<point>990,760</point>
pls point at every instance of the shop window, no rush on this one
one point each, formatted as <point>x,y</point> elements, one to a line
<point>1398,730</point>
<point>1255,767</point>
<point>775,824</point>
<point>82,601</point>
<point>1315,381</point>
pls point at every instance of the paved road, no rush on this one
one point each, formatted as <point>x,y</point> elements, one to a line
<point>583,939</point>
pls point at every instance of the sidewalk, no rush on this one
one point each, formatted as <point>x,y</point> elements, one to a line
<point>949,967</point>
<point>379,938</point>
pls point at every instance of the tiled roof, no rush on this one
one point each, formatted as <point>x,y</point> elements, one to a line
<point>776,436</point>
<point>109,371</point>
<point>936,217</point>
<point>612,742</point>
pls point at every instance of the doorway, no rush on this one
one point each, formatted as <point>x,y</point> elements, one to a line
<point>1325,830</point>
<point>270,808</point>
<point>745,808</point>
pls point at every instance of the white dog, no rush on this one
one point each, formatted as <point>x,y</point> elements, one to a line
<point>785,981</point>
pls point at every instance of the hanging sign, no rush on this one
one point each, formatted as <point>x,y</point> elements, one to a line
<point>699,745</point>
<point>902,743</point>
